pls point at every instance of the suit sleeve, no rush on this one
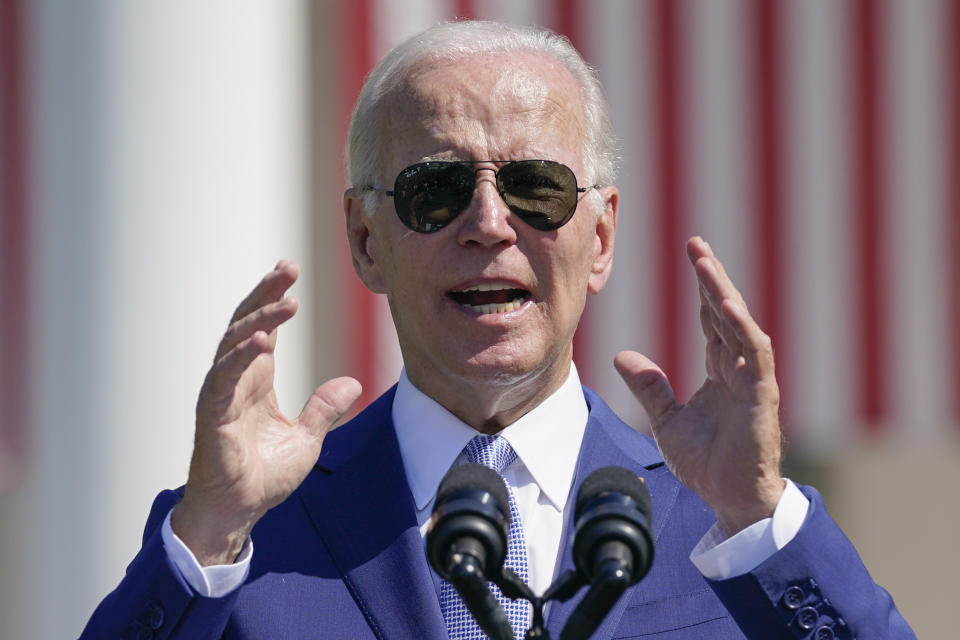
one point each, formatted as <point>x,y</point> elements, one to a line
<point>153,600</point>
<point>816,587</point>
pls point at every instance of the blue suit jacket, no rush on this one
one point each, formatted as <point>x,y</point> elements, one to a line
<point>343,558</point>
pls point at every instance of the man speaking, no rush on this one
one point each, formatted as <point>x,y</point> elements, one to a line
<point>483,204</point>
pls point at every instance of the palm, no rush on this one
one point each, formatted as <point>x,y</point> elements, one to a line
<point>724,443</point>
<point>248,457</point>
<point>714,442</point>
<point>254,448</point>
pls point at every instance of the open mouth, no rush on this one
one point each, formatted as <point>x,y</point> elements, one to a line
<point>490,298</point>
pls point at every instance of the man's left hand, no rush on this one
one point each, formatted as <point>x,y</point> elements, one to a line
<point>724,443</point>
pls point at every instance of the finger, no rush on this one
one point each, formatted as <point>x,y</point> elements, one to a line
<point>648,383</point>
<point>328,404</point>
<point>270,289</point>
<point>697,248</point>
<point>266,319</point>
<point>756,346</point>
<point>707,323</point>
<point>226,373</point>
<point>717,357</point>
<point>717,290</point>
<point>713,326</point>
<point>711,272</point>
<point>715,285</point>
<point>725,332</point>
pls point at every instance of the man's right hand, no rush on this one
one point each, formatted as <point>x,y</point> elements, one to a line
<point>248,457</point>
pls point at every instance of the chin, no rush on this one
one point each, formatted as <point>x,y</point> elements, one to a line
<point>501,369</point>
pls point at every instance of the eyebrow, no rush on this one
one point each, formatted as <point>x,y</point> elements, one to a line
<point>440,157</point>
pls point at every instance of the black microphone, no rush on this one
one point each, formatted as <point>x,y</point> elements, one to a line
<point>467,540</point>
<point>612,544</point>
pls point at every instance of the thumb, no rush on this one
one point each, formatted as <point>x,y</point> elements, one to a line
<point>648,383</point>
<point>328,403</point>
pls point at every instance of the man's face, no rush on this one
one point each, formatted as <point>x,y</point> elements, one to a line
<point>496,107</point>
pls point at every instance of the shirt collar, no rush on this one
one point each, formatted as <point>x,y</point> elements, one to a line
<point>547,439</point>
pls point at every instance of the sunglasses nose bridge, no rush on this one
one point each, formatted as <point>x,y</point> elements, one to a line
<point>480,178</point>
<point>486,219</point>
<point>484,181</point>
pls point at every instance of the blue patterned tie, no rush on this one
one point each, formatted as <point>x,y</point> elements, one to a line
<point>496,453</point>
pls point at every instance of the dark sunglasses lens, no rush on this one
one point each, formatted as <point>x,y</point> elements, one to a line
<point>542,192</point>
<point>427,196</point>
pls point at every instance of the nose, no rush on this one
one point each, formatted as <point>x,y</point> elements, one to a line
<point>487,221</point>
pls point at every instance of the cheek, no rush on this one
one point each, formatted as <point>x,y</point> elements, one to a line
<point>407,274</point>
<point>577,259</point>
<point>572,276</point>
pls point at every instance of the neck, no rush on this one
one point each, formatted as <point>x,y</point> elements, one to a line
<point>489,407</point>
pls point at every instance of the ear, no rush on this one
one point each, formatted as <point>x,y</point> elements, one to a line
<point>604,233</point>
<point>362,241</point>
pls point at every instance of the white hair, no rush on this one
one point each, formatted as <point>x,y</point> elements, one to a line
<point>451,41</point>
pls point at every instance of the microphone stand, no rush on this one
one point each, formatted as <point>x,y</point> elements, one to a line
<point>563,588</point>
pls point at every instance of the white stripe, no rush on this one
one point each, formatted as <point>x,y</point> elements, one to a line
<point>721,144</point>
<point>822,297</point>
<point>916,260</point>
<point>718,154</point>
<point>394,22</point>
<point>512,11</point>
<point>627,309</point>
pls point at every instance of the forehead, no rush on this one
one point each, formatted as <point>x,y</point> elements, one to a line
<point>486,106</point>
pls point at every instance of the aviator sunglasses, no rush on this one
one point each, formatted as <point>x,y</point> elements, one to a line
<point>429,195</point>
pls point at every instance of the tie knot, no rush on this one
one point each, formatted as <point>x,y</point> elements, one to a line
<point>490,451</point>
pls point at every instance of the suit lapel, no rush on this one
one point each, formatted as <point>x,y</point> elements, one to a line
<point>608,441</point>
<point>361,506</point>
<point>363,511</point>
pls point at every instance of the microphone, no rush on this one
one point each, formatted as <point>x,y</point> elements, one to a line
<point>612,545</point>
<point>467,541</point>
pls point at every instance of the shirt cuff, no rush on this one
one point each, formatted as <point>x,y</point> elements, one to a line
<point>719,558</point>
<point>214,581</point>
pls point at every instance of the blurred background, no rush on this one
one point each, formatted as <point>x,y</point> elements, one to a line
<point>157,158</point>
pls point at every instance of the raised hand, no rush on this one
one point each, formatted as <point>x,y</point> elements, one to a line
<point>724,443</point>
<point>248,457</point>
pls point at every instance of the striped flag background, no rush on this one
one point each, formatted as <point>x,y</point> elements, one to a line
<point>813,143</point>
<point>157,158</point>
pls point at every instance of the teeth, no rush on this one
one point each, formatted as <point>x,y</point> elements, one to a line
<point>497,308</point>
<point>489,287</point>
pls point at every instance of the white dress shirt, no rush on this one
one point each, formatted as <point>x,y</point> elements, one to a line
<point>547,442</point>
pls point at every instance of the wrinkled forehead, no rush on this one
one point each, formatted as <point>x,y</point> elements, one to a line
<point>485,106</point>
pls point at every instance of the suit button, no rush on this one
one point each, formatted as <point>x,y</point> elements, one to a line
<point>793,597</point>
<point>807,618</point>
<point>824,633</point>
<point>155,619</point>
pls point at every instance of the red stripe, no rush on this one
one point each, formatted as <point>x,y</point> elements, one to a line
<point>356,30</point>
<point>868,209</point>
<point>15,370</point>
<point>952,179</point>
<point>566,21</point>
<point>669,201</point>
<point>464,9</point>
<point>767,181</point>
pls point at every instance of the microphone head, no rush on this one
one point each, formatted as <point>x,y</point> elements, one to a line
<point>473,476</point>
<point>612,515</point>
<point>610,480</point>
<point>471,516</point>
